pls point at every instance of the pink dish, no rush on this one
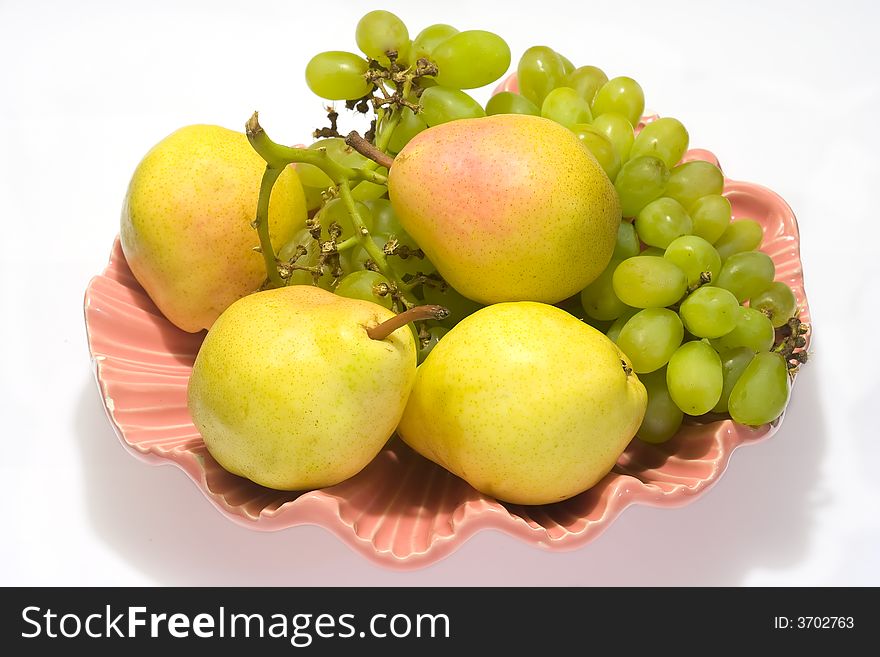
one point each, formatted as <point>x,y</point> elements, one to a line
<point>402,511</point>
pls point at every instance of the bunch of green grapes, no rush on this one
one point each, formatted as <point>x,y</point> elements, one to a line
<point>692,301</point>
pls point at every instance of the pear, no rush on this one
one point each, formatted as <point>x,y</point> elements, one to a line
<point>509,207</point>
<point>290,391</point>
<point>186,222</point>
<point>525,402</point>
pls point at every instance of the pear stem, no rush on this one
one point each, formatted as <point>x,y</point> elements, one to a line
<point>367,149</point>
<point>414,314</point>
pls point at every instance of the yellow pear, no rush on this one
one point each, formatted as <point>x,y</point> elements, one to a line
<point>525,402</point>
<point>186,222</point>
<point>510,207</point>
<point>289,390</point>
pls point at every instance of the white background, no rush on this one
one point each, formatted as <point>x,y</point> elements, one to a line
<point>785,93</point>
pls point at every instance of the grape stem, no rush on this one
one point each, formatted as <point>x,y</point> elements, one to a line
<point>415,314</point>
<point>367,149</point>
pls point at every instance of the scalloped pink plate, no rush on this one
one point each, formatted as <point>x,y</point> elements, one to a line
<point>401,511</point>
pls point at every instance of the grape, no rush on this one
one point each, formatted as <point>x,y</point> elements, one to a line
<point>310,259</point>
<point>662,417</point>
<point>762,391</point>
<point>627,244</point>
<point>339,152</point>
<point>777,302</point>
<point>458,305</point>
<point>709,312</point>
<point>435,332</point>
<point>650,337</point>
<point>379,32</point>
<point>653,251</point>
<point>586,80</point>
<point>711,216</point>
<point>567,66</point>
<point>640,181</point>
<point>733,364</point>
<point>507,102</point>
<point>622,95</point>
<point>443,104</point>
<point>365,285</point>
<point>598,144</point>
<point>566,107</point>
<point>384,217</point>
<point>618,130</point>
<point>540,70</point>
<point>366,190</point>
<point>410,265</point>
<point>694,377</point>
<point>429,38</point>
<point>471,59</point>
<point>662,221</point>
<point>664,138</point>
<point>648,282</point>
<point>337,75</point>
<point>599,300</point>
<point>753,331</point>
<point>693,180</point>
<point>741,235</point>
<point>694,256</point>
<point>746,274</point>
<point>617,325</point>
<point>335,211</point>
<point>409,126</point>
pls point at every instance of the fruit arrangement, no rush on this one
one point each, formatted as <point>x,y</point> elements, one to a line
<point>519,291</point>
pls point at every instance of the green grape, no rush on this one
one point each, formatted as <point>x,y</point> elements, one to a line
<point>618,130</point>
<point>410,265</point>
<point>777,302</point>
<point>336,212</point>
<point>627,244</point>
<point>337,75</point>
<point>741,235</point>
<point>567,66</point>
<point>572,305</point>
<point>384,217</point>
<point>733,364</point>
<point>458,305</point>
<point>711,216</point>
<point>746,274</point>
<point>566,107</point>
<point>694,377</point>
<point>379,32</point>
<point>309,259</point>
<point>471,59</point>
<point>429,38</point>
<point>753,331</point>
<point>640,181</point>
<point>599,145</point>
<point>443,104</point>
<point>540,70</point>
<point>648,282</point>
<point>662,417</point>
<point>693,180</point>
<point>664,138</point>
<point>613,331</point>
<point>709,312</point>
<point>435,333</point>
<point>694,256</point>
<point>650,337</point>
<point>598,299</point>
<point>367,191</point>
<point>409,126</point>
<point>653,251</point>
<point>762,391</point>
<point>507,102</point>
<point>586,80</point>
<point>339,152</point>
<point>662,221</point>
<point>366,285</point>
<point>622,95</point>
